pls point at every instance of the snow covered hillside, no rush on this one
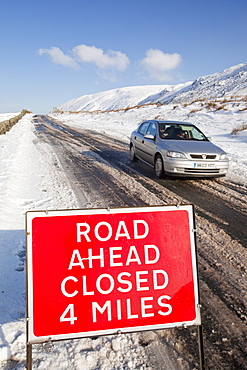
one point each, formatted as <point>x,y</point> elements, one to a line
<point>230,82</point>
<point>114,99</point>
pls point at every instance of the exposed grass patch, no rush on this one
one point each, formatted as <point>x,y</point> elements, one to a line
<point>211,105</point>
<point>221,107</point>
<point>195,111</point>
<point>239,128</point>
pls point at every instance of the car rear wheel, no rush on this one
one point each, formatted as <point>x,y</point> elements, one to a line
<point>132,154</point>
<point>159,167</point>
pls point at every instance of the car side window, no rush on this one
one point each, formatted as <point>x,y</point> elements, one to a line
<point>151,129</point>
<point>142,129</point>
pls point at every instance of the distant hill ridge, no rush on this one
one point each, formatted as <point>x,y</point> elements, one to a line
<point>231,81</point>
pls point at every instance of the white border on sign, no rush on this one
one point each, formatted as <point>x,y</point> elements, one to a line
<point>32,339</point>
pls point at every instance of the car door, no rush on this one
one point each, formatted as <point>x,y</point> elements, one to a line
<point>139,140</point>
<point>149,144</point>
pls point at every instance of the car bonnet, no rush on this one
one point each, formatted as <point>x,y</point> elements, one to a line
<point>191,146</point>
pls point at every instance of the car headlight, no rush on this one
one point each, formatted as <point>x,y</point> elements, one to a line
<point>223,156</point>
<point>173,154</point>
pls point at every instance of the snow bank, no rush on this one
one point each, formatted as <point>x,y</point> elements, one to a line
<point>27,182</point>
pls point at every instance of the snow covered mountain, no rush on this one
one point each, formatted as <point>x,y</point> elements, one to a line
<point>117,98</point>
<point>231,81</point>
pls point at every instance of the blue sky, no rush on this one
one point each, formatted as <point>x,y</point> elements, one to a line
<point>53,51</point>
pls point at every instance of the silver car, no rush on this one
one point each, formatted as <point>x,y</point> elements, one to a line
<point>178,149</point>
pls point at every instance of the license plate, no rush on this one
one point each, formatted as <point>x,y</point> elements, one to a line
<point>204,165</point>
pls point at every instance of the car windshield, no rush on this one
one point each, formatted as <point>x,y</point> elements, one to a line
<point>169,131</point>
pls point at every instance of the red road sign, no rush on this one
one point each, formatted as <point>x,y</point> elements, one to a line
<point>101,271</point>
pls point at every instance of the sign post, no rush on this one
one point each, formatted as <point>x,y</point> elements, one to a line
<point>104,271</point>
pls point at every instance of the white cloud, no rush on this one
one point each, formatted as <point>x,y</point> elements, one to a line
<point>58,57</point>
<point>110,60</point>
<point>159,64</point>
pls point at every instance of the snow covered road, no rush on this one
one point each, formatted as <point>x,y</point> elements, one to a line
<point>102,175</point>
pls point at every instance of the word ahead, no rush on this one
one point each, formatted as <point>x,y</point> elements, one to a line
<point>96,272</point>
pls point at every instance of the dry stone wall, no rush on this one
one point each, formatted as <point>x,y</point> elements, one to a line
<point>7,124</point>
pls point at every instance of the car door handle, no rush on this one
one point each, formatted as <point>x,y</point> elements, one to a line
<point>142,141</point>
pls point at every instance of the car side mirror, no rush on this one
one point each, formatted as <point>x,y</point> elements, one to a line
<point>151,137</point>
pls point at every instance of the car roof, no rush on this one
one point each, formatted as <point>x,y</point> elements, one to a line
<point>167,122</point>
<point>174,122</point>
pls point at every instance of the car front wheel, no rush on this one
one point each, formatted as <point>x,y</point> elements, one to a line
<point>159,167</point>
